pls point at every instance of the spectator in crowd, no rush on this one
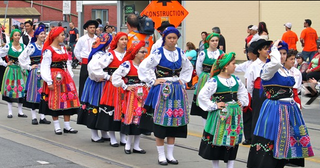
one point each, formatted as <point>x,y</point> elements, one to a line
<point>21,28</point>
<point>313,70</point>
<point>59,24</point>
<point>108,29</point>
<point>73,37</point>
<point>308,39</point>
<point>99,31</point>
<point>255,34</point>
<point>204,35</point>
<point>247,40</point>
<point>100,22</point>
<point>28,33</point>
<point>290,37</point>
<point>301,64</point>
<point>14,27</point>
<point>222,41</point>
<point>263,31</point>
<point>65,41</point>
<point>191,54</point>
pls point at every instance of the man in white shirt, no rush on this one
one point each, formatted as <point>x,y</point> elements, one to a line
<point>28,33</point>
<point>83,48</point>
<point>254,31</point>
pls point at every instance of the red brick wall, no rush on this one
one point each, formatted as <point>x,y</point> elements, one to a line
<point>112,10</point>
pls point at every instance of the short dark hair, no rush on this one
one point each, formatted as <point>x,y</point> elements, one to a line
<point>99,20</point>
<point>216,30</point>
<point>204,32</point>
<point>29,22</point>
<point>308,21</point>
<point>133,20</point>
<point>292,52</point>
<point>250,26</point>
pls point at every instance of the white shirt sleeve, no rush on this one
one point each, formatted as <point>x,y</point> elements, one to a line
<point>98,62</point>
<point>270,68</point>
<point>24,57</point>
<point>146,69</point>
<point>45,67</point>
<point>121,72</point>
<point>4,52</point>
<point>187,68</point>
<point>205,94</point>
<point>77,49</point>
<point>250,80</point>
<point>199,63</point>
<point>242,93</point>
<point>241,67</point>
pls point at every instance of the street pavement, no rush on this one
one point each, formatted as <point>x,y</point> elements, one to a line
<point>26,145</point>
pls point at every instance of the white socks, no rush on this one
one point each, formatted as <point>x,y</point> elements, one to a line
<point>33,114</point>
<point>230,164</point>
<point>9,108</point>
<point>67,125</point>
<point>204,122</point>
<point>136,143</point>
<point>94,135</point>
<point>161,155</point>
<point>215,163</point>
<point>42,116</point>
<point>123,138</point>
<point>170,152</point>
<point>56,124</point>
<point>104,134</point>
<point>113,139</point>
<point>20,108</point>
<point>129,140</point>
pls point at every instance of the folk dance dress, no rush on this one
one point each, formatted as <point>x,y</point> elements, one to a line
<point>203,66</point>
<point>109,116</point>
<point>13,82</point>
<point>223,130</point>
<point>280,136</point>
<point>31,56</point>
<point>92,90</point>
<point>167,104</point>
<point>56,70</point>
<point>132,107</point>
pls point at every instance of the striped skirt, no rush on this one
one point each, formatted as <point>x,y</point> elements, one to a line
<point>34,86</point>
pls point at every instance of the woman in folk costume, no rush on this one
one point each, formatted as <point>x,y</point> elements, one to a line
<point>59,94</point>
<point>13,82</point>
<point>205,60</point>
<point>29,59</point>
<point>135,92</point>
<point>109,117</point>
<point>166,69</point>
<point>94,84</point>
<point>280,136</point>
<point>223,96</point>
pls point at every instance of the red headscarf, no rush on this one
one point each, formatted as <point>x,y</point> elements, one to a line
<point>116,38</point>
<point>133,50</point>
<point>51,36</point>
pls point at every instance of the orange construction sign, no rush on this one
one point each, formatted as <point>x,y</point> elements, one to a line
<point>165,10</point>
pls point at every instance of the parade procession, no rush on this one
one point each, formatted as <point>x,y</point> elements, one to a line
<point>134,91</point>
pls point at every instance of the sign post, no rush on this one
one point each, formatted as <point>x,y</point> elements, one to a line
<point>5,14</point>
<point>165,10</point>
<point>79,10</point>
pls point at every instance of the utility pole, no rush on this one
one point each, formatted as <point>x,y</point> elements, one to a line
<point>79,10</point>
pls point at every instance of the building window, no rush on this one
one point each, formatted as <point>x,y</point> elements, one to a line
<point>103,14</point>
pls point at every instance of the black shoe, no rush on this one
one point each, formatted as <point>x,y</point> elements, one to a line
<point>139,151</point>
<point>34,122</point>
<point>71,131</point>
<point>114,145</point>
<point>122,144</point>
<point>163,163</point>
<point>58,132</point>
<point>22,115</point>
<point>44,121</point>
<point>106,139</point>
<point>173,161</point>
<point>9,116</point>
<point>98,141</point>
<point>127,151</point>
<point>246,142</point>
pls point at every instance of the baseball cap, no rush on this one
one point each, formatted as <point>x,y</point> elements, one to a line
<point>254,27</point>
<point>299,55</point>
<point>288,25</point>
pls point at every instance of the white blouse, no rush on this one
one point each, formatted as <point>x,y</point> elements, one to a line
<point>98,62</point>
<point>146,71</point>
<point>205,94</point>
<point>243,67</point>
<point>122,71</point>
<point>211,54</point>
<point>4,52</point>
<point>24,58</point>
<point>253,73</point>
<point>46,64</point>
<point>83,47</point>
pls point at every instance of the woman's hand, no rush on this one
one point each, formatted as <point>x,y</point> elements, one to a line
<point>221,105</point>
<point>159,81</point>
<point>110,79</point>
<point>102,79</point>
<point>276,43</point>
<point>9,63</point>
<point>130,88</point>
<point>51,87</point>
<point>239,103</point>
<point>308,70</point>
<point>34,66</point>
<point>312,80</point>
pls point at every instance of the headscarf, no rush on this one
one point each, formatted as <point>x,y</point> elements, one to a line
<point>284,46</point>
<point>209,37</point>
<point>169,30</point>
<point>116,38</point>
<point>36,33</point>
<point>51,36</point>
<point>12,32</point>
<point>100,44</point>
<point>133,50</point>
<point>221,62</point>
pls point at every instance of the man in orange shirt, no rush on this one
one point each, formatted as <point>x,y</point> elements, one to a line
<point>134,36</point>
<point>308,39</point>
<point>290,37</point>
